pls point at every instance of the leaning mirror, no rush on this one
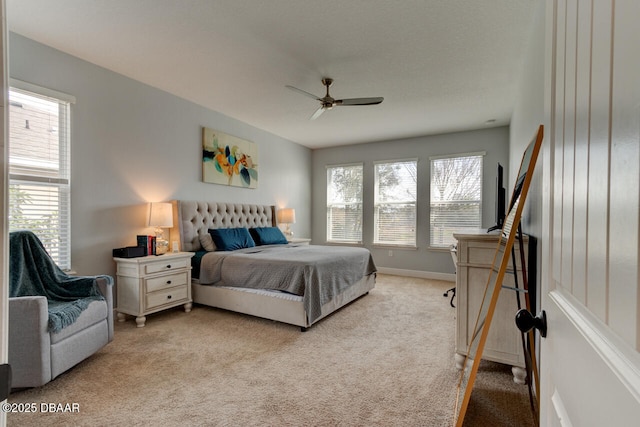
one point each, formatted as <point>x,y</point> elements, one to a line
<point>496,276</point>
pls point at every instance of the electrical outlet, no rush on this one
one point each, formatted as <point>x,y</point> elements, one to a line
<point>390,253</point>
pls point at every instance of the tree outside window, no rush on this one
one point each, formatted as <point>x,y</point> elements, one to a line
<point>344,203</point>
<point>456,197</point>
<point>396,185</point>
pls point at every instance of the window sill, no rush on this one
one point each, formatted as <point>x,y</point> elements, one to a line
<point>438,249</point>
<point>387,246</point>
<point>334,243</point>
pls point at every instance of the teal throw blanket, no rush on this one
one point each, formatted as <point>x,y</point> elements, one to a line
<point>33,272</point>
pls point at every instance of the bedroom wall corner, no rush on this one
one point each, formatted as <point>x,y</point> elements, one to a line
<point>133,144</point>
<point>528,114</point>
<point>494,141</point>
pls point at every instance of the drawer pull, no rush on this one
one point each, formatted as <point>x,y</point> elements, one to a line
<point>168,282</point>
<point>169,266</point>
<point>168,296</point>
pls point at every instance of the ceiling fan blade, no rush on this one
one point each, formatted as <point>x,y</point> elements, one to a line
<point>317,113</point>
<point>305,93</point>
<point>359,101</point>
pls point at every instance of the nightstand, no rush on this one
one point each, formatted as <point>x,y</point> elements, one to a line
<point>153,283</point>
<point>299,240</point>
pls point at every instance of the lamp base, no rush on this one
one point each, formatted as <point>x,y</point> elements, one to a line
<point>162,246</point>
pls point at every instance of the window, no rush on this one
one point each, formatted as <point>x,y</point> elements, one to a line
<point>396,187</point>
<point>456,197</point>
<point>344,203</point>
<point>39,185</point>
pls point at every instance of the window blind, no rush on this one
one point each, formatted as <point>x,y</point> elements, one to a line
<point>39,184</point>
<point>344,203</point>
<point>396,187</point>
<point>456,197</point>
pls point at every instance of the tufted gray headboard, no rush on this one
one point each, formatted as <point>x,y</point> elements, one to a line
<point>196,217</point>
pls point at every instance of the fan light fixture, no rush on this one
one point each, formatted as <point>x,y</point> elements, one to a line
<point>328,102</point>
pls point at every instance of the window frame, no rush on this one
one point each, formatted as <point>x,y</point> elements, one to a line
<point>377,203</point>
<point>330,204</point>
<point>479,202</point>
<point>37,178</point>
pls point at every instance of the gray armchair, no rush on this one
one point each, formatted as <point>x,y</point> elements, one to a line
<point>55,320</point>
<point>36,355</point>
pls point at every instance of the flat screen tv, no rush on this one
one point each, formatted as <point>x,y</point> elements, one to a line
<point>501,200</point>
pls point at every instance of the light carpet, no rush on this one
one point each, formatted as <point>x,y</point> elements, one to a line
<point>384,360</point>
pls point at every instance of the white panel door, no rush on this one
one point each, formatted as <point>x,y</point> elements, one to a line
<point>590,359</point>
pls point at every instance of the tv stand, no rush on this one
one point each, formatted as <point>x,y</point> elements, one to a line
<point>495,227</point>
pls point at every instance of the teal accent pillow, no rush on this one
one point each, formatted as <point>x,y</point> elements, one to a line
<point>268,236</point>
<point>230,239</point>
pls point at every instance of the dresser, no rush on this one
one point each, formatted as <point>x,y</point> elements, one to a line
<point>475,254</point>
<point>152,283</point>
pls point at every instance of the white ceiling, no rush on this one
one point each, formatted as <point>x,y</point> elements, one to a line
<point>441,65</point>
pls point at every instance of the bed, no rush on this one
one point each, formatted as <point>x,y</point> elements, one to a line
<point>292,283</point>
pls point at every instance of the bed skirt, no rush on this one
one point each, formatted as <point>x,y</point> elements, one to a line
<point>275,305</point>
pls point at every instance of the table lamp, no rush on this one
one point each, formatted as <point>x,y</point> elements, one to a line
<point>287,216</point>
<point>161,216</point>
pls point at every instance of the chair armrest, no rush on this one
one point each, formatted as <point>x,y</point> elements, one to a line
<point>106,289</point>
<point>29,342</point>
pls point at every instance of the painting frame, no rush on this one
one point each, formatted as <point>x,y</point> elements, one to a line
<point>229,160</point>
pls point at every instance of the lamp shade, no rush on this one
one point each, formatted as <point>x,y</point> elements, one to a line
<point>160,215</point>
<point>287,216</point>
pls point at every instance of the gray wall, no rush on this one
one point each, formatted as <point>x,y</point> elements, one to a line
<point>527,116</point>
<point>133,144</point>
<point>494,141</point>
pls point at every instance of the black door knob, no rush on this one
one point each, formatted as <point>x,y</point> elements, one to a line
<point>525,321</point>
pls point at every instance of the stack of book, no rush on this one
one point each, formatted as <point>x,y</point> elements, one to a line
<point>148,243</point>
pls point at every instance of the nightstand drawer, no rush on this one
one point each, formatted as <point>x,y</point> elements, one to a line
<point>169,264</point>
<point>166,281</point>
<point>156,299</point>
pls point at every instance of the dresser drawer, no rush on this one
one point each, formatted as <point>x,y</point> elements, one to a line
<point>478,253</point>
<point>171,295</point>
<point>483,254</point>
<point>166,281</point>
<point>168,265</point>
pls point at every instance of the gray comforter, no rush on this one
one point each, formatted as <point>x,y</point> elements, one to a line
<point>317,273</point>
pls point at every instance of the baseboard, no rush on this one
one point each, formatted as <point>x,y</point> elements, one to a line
<point>449,277</point>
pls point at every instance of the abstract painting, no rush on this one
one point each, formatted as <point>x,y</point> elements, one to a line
<point>228,160</point>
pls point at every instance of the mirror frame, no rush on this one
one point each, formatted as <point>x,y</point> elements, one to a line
<point>494,282</point>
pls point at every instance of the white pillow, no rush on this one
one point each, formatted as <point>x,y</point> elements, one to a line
<point>207,242</point>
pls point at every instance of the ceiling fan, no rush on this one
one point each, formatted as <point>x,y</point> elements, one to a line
<point>328,102</point>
